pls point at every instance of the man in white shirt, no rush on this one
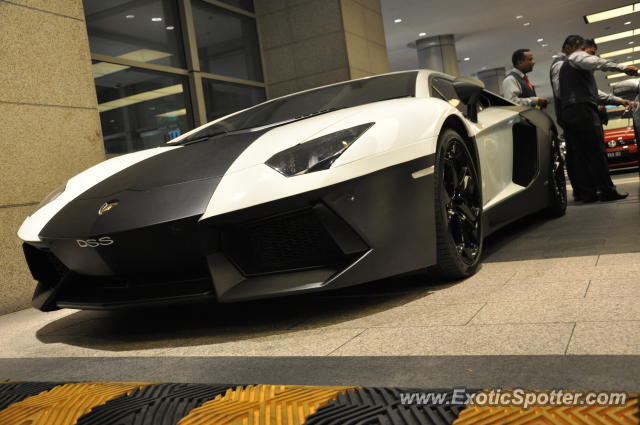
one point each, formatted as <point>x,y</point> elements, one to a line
<point>516,86</point>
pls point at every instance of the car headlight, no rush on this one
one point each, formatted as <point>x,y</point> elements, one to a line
<point>317,154</point>
<point>612,143</point>
<point>53,195</point>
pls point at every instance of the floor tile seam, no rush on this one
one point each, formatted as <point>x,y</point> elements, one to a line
<point>573,329</point>
<point>346,342</point>
<point>476,313</point>
<point>553,322</point>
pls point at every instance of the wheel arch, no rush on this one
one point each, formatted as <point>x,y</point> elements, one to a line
<point>456,123</point>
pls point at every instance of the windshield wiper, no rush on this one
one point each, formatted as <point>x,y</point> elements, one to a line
<point>201,137</point>
<point>288,120</point>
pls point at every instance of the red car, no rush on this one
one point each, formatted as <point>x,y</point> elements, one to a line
<point>620,140</point>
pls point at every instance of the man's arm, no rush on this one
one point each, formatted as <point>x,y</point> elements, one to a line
<point>609,99</point>
<point>512,91</point>
<point>583,60</point>
<point>555,77</point>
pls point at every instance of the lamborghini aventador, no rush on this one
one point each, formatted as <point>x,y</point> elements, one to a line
<point>326,188</point>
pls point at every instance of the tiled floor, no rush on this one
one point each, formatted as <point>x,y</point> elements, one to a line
<point>564,286</point>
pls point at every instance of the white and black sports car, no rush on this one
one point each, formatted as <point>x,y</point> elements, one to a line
<point>321,189</point>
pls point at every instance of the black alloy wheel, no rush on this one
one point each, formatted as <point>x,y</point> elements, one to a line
<point>557,181</point>
<point>458,208</point>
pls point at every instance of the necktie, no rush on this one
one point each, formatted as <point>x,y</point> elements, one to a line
<point>526,80</point>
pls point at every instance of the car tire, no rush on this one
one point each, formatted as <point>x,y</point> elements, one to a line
<point>458,208</point>
<point>557,183</point>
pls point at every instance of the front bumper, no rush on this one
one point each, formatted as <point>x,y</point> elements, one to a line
<point>364,229</point>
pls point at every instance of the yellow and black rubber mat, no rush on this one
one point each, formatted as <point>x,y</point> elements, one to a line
<point>94,403</point>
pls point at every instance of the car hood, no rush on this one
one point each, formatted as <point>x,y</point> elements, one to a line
<point>170,183</point>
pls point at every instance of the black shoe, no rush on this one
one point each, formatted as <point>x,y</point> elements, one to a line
<point>613,196</point>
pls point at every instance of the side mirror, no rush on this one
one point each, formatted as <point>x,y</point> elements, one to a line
<point>469,91</point>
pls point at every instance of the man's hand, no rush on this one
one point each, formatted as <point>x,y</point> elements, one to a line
<point>543,102</point>
<point>631,70</point>
<point>629,104</point>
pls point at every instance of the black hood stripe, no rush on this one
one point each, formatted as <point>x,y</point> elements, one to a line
<point>172,185</point>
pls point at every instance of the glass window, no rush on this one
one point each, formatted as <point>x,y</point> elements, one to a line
<point>224,98</point>
<point>140,109</point>
<point>145,31</point>
<point>227,42</point>
<point>241,4</point>
<point>313,102</point>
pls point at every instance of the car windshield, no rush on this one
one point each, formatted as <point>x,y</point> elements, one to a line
<point>314,102</point>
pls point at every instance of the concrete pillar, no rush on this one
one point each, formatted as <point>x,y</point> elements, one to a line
<point>310,43</point>
<point>50,125</point>
<point>493,78</point>
<point>438,53</point>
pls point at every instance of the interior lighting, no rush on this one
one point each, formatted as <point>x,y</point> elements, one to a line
<point>540,40</point>
<point>526,24</point>
<point>130,16</point>
<point>170,28</point>
<point>619,52</point>
<point>617,36</point>
<point>101,69</point>
<point>519,17</point>
<point>156,19</point>
<point>612,13</point>
<point>140,97</point>
<point>397,20</point>
<point>422,34</point>
<point>628,23</point>
<point>176,113</point>
<point>612,76</point>
<point>467,59</point>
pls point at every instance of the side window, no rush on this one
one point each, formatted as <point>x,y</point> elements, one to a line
<point>444,90</point>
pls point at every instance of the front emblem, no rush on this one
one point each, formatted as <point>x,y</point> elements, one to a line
<point>107,206</point>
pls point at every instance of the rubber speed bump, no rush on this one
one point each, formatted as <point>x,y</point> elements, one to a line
<point>264,405</point>
<point>163,404</point>
<point>63,405</point>
<point>17,391</point>
<point>383,406</point>
<point>627,414</point>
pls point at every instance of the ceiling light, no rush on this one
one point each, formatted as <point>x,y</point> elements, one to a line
<point>526,24</point>
<point>176,113</point>
<point>612,76</point>
<point>618,52</point>
<point>467,59</point>
<point>140,97</point>
<point>397,20</point>
<point>156,19</point>
<point>616,36</point>
<point>422,34</point>
<point>631,42</point>
<point>628,23</point>
<point>130,16</point>
<point>540,40</point>
<point>611,13</point>
<point>519,17</point>
<point>625,64</point>
<point>170,28</point>
<point>544,45</point>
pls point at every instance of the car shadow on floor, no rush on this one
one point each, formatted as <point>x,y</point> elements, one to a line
<point>212,323</point>
<point>585,230</point>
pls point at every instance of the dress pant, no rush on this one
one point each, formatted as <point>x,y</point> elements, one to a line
<point>586,156</point>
